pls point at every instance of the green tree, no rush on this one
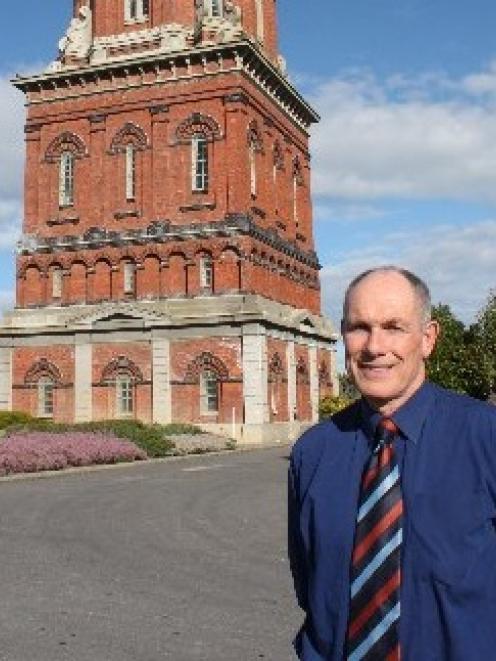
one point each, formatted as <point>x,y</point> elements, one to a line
<point>485,335</point>
<point>459,360</point>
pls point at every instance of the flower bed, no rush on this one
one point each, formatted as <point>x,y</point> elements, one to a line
<point>39,451</point>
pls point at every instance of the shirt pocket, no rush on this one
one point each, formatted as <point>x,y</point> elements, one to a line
<point>448,531</point>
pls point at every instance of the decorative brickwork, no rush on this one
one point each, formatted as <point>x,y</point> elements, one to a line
<point>167,269</point>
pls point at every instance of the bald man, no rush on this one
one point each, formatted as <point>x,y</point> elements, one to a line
<point>392,502</point>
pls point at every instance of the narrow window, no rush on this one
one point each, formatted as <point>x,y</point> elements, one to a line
<point>129,278</point>
<point>45,397</point>
<point>295,198</point>
<point>206,272</point>
<point>125,395</point>
<point>66,179</point>
<point>253,169</point>
<point>130,172</point>
<point>133,9</point>
<point>199,162</point>
<point>214,8</point>
<point>57,282</point>
<point>260,21</point>
<point>136,10</point>
<point>209,385</point>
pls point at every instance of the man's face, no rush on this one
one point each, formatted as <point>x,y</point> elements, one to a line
<point>386,340</point>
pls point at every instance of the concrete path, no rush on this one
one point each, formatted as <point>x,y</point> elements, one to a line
<point>182,560</point>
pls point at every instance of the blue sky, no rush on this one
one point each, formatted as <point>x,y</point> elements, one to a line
<point>404,159</point>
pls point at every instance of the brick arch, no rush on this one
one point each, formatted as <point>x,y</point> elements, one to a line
<point>76,285</point>
<point>276,368</point>
<point>302,376</point>
<point>254,136</point>
<point>129,134</point>
<point>205,361</point>
<point>66,141</point>
<point>198,123</point>
<point>204,252</point>
<point>324,376</point>
<point>102,279</point>
<point>278,155</point>
<point>297,171</point>
<point>121,365</point>
<point>229,249</point>
<point>42,368</point>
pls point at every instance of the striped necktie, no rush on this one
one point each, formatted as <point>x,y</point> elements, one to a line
<point>373,628</point>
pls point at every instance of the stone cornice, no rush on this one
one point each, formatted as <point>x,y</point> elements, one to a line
<point>162,231</point>
<point>164,68</point>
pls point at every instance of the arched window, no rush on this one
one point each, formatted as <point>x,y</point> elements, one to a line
<point>253,169</point>
<point>206,272</point>
<point>214,8</point>
<point>297,181</point>
<point>136,10</point>
<point>63,151</point>
<point>129,278</point>
<point>130,172</point>
<point>46,388</point>
<point>254,145</point>
<point>209,391</point>
<point>124,390</point>
<point>56,282</point>
<point>66,179</point>
<point>260,20</point>
<point>199,162</point>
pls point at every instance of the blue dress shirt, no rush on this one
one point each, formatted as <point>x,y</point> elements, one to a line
<point>447,458</point>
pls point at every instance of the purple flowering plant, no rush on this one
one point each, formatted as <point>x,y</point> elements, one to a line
<point>28,452</point>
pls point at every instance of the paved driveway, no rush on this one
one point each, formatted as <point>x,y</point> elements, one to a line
<point>182,560</point>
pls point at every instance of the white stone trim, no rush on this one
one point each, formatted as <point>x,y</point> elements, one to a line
<point>5,379</point>
<point>314,381</point>
<point>162,392</point>
<point>255,379</point>
<point>83,395</point>
<point>291,363</point>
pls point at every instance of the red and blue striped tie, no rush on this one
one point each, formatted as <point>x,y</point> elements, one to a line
<point>373,628</point>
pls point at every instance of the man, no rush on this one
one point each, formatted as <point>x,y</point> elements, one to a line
<point>392,502</point>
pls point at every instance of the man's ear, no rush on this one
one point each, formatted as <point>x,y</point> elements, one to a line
<point>430,335</point>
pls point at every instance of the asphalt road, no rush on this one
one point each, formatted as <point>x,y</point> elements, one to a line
<point>182,560</point>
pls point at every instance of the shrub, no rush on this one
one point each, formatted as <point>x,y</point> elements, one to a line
<point>39,451</point>
<point>331,405</point>
<point>175,428</point>
<point>9,418</point>
<point>149,438</point>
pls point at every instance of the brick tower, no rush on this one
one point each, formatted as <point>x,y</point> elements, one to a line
<point>166,269</point>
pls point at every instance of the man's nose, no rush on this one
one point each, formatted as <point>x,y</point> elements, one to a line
<point>375,344</point>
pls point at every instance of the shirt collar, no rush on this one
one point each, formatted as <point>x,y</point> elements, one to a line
<point>409,418</point>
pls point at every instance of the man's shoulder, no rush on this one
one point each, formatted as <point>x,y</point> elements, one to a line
<point>329,431</point>
<point>458,405</point>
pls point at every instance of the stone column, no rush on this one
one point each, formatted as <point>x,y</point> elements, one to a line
<point>314,382</point>
<point>83,404</point>
<point>161,389</point>
<point>5,379</point>
<point>255,377</point>
<point>291,363</point>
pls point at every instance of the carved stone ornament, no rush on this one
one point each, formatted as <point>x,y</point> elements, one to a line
<point>77,40</point>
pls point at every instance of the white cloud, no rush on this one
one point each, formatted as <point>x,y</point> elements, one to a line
<point>11,142</point>
<point>458,264</point>
<point>429,137</point>
<point>6,300</point>
<point>347,211</point>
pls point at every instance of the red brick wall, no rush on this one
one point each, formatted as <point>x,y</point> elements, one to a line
<point>26,398</point>
<point>104,396</point>
<point>186,397</point>
<point>277,386</point>
<point>303,402</point>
